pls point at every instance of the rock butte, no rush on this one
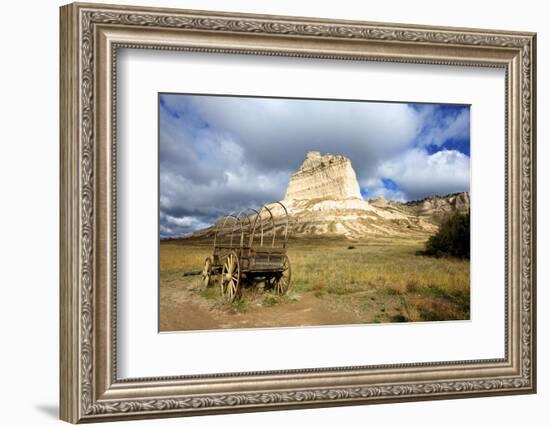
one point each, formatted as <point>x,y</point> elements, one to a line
<point>323,198</point>
<point>323,176</point>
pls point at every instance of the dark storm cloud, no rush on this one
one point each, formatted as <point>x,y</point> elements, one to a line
<point>276,133</point>
<point>221,154</point>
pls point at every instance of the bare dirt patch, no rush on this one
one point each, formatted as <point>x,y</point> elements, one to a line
<point>183,308</point>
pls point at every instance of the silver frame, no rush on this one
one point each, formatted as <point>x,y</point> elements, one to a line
<point>90,37</point>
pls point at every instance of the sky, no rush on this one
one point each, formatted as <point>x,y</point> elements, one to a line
<point>220,154</point>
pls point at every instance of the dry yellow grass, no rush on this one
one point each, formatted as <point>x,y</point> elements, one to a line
<point>177,256</point>
<point>379,281</point>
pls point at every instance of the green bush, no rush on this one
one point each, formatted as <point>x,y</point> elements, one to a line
<point>452,239</point>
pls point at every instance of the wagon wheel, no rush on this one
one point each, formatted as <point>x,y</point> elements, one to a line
<point>231,277</point>
<point>207,272</point>
<point>281,282</point>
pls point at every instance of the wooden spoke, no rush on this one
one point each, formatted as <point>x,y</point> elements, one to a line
<point>282,280</point>
<point>206,272</point>
<point>230,277</point>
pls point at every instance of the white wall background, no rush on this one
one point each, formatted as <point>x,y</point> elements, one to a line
<point>29,170</point>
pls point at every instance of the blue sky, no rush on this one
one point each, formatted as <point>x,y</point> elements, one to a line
<point>220,154</point>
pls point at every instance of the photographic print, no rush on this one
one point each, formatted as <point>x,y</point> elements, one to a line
<point>287,212</point>
<point>248,205</point>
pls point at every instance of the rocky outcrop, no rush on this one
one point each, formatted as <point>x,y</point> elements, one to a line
<point>437,208</point>
<point>323,176</point>
<point>323,198</point>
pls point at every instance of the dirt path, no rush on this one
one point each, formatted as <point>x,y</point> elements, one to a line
<point>182,308</point>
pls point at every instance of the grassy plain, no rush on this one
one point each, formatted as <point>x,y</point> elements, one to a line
<point>352,282</point>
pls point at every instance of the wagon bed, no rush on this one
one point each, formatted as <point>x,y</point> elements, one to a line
<point>250,247</point>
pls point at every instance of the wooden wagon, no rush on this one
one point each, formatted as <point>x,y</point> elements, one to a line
<point>250,247</point>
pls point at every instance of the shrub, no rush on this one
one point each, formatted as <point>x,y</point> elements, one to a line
<point>452,239</point>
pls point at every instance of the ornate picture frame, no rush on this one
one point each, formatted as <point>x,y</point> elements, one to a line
<point>90,37</point>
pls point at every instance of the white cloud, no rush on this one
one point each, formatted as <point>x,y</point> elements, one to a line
<point>276,133</point>
<point>185,221</point>
<point>437,132</point>
<point>178,226</point>
<point>221,154</point>
<point>419,174</point>
<point>375,187</point>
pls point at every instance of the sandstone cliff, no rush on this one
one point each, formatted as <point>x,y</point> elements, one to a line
<point>323,176</point>
<point>436,208</point>
<point>323,198</point>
